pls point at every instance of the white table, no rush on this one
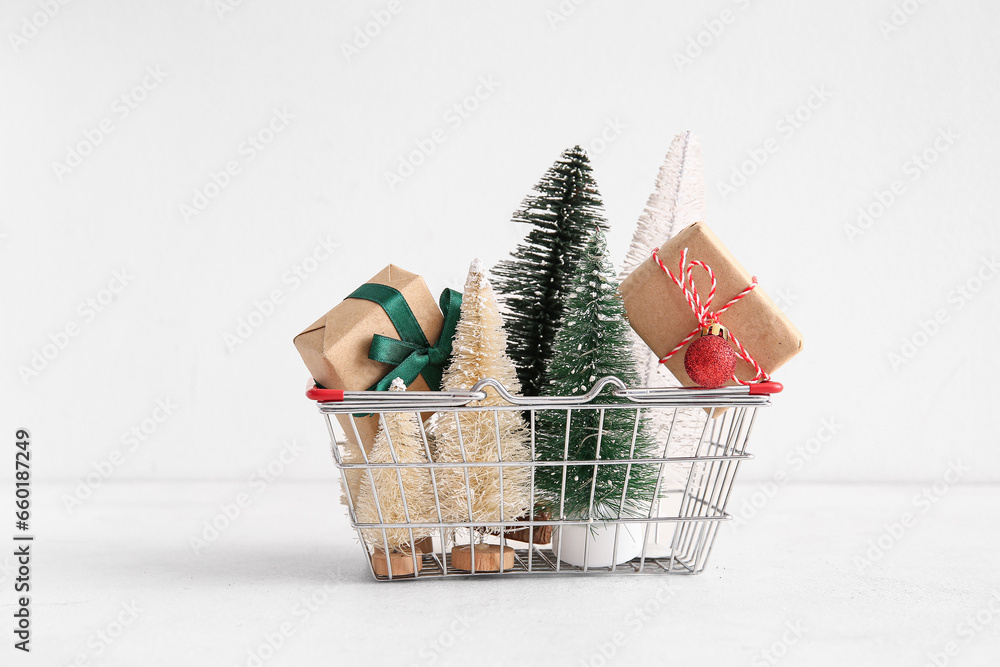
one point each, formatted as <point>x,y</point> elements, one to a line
<point>784,587</point>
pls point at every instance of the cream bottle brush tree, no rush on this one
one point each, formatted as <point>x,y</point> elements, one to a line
<point>479,351</point>
<point>398,493</point>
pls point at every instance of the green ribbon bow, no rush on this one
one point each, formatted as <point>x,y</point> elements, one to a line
<point>411,354</point>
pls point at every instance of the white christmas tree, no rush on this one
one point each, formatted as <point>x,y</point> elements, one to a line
<point>479,351</point>
<point>677,201</point>
<point>397,441</point>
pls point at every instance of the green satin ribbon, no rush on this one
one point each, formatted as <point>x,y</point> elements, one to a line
<point>411,354</point>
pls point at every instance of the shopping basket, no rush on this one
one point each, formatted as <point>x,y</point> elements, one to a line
<point>676,536</point>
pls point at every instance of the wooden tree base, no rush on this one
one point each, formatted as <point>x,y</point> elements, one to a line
<point>488,558</point>
<point>401,563</point>
<point>543,534</point>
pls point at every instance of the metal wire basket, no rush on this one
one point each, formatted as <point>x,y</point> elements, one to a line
<point>693,485</point>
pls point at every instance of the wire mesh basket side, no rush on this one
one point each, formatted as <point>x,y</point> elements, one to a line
<point>678,531</point>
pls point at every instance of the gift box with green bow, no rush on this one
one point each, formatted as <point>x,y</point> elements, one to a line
<point>387,328</point>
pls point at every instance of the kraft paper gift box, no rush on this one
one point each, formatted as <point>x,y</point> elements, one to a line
<point>658,311</point>
<point>335,348</point>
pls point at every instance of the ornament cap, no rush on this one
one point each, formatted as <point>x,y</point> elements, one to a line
<point>715,329</point>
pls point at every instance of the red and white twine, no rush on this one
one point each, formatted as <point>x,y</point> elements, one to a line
<point>703,311</point>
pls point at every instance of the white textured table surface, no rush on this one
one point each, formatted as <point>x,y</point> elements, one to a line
<point>785,587</point>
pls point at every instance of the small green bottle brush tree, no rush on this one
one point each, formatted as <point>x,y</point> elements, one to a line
<point>592,342</point>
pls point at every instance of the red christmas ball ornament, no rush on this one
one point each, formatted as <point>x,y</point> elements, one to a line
<point>710,361</point>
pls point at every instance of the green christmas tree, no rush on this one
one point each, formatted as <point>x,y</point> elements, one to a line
<point>593,342</point>
<point>563,212</point>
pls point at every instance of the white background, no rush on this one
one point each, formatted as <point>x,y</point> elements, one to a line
<point>559,74</point>
<point>324,176</point>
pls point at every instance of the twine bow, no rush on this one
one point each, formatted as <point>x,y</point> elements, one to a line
<point>411,354</point>
<point>704,312</point>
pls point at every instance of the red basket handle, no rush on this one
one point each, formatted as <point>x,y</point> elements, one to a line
<point>766,388</point>
<point>325,395</point>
